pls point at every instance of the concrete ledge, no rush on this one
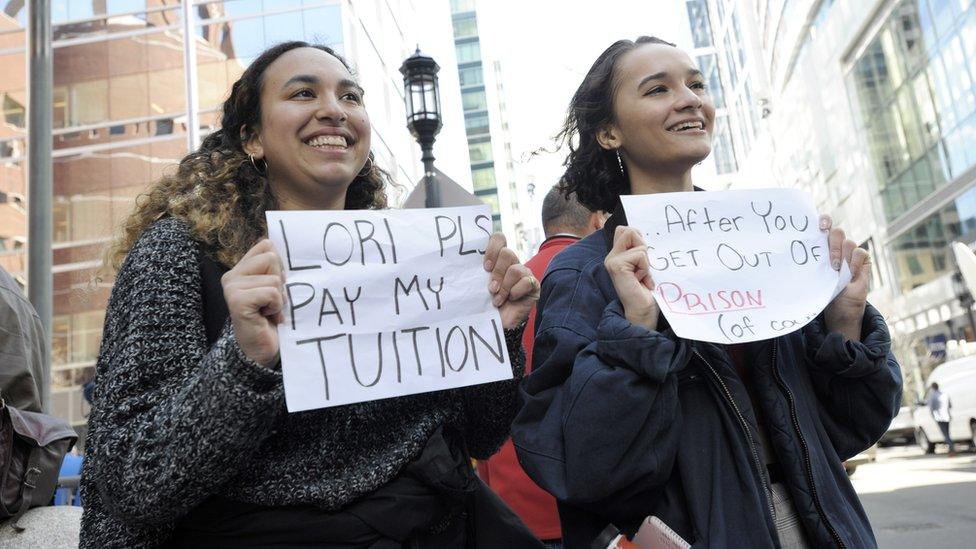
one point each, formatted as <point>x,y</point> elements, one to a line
<point>48,527</point>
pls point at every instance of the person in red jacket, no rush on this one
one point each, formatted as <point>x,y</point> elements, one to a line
<point>564,221</point>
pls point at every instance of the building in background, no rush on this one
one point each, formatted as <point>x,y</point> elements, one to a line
<point>121,121</point>
<point>871,108</point>
<point>486,123</point>
<point>723,42</point>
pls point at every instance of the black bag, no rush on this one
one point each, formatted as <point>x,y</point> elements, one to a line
<point>32,447</point>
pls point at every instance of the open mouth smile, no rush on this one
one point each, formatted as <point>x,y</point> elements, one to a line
<point>688,125</point>
<point>328,142</point>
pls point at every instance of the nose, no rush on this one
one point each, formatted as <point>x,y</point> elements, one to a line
<point>686,98</point>
<point>330,109</point>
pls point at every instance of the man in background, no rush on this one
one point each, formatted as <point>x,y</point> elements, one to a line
<point>564,221</point>
<point>940,406</point>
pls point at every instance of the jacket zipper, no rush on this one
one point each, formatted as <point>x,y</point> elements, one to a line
<point>745,428</point>
<point>806,451</point>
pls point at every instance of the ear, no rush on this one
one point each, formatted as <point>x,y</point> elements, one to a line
<point>597,220</point>
<point>251,142</point>
<point>608,137</point>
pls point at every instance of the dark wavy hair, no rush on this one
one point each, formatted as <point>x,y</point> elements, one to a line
<point>592,172</point>
<point>219,192</point>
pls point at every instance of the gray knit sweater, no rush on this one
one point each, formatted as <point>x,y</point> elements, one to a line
<point>174,422</point>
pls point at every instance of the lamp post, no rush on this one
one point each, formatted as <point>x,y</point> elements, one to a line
<point>422,99</point>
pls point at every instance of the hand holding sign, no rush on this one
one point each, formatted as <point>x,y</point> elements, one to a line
<point>846,310</point>
<point>253,292</point>
<point>513,288</point>
<point>631,276</point>
<point>739,266</point>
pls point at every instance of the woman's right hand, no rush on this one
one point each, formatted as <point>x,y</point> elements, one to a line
<point>630,272</point>
<point>254,292</point>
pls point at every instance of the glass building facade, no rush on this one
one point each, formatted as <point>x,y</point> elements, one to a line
<point>474,100</point>
<point>121,121</point>
<point>716,33</point>
<point>916,87</point>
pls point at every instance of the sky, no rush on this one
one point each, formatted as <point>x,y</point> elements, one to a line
<point>546,48</point>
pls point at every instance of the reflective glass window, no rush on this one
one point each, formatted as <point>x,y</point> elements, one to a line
<point>474,100</point>
<point>483,178</point>
<point>468,52</point>
<point>465,26</point>
<point>471,76</point>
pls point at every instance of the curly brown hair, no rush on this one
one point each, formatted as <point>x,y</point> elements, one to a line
<point>592,172</point>
<point>219,192</point>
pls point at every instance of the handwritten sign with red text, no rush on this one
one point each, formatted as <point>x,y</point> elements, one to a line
<point>385,303</point>
<point>736,266</point>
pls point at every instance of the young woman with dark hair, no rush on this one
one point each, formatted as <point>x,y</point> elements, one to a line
<point>189,441</point>
<point>731,446</point>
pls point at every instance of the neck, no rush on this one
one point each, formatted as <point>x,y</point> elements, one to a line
<point>660,181</point>
<point>321,200</point>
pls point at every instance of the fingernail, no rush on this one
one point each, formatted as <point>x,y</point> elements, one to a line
<point>836,264</point>
<point>823,223</point>
<point>489,265</point>
<point>493,287</point>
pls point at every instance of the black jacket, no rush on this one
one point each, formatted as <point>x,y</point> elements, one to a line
<point>619,422</point>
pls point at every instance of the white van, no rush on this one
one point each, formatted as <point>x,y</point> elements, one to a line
<point>957,379</point>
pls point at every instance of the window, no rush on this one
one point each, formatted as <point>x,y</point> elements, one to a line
<point>468,52</point>
<point>490,198</point>
<point>474,100</point>
<point>13,111</point>
<point>471,76</point>
<point>479,152</point>
<point>701,30</point>
<point>483,178</point>
<point>465,26</point>
<point>458,6</point>
<point>476,124</point>
<point>915,95</point>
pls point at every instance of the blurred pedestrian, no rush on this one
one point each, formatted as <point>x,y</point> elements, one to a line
<point>728,445</point>
<point>940,406</point>
<point>564,221</point>
<point>190,443</point>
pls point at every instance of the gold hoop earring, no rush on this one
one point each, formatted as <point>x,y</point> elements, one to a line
<point>367,167</point>
<point>253,163</point>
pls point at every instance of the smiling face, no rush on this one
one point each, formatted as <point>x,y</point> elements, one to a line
<point>314,132</point>
<point>662,115</point>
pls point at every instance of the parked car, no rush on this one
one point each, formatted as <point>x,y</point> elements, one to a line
<point>868,456</point>
<point>901,430</point>
<point>957,379</point>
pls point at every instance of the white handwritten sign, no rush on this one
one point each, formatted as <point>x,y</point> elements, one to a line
<point>385,303</point>
<point>736,266</point>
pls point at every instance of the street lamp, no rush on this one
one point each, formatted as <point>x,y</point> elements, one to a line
<point>423,113</point>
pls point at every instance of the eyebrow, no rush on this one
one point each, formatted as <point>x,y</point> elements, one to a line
<point>313,80</point>
<point>663,74</point>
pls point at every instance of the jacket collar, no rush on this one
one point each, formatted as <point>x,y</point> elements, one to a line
<point>557,239</point>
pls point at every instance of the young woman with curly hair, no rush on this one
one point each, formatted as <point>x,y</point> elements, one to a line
<point>189,443</point>
<point>731,446</point>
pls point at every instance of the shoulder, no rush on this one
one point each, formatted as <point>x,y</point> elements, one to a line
<point>12,298</point>
<point>164,256</point>
<point>576,287</point>
<point>582,255</point>
<point>165,241</point>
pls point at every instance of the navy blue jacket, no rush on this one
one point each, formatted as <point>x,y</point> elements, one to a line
<point>619,422</point>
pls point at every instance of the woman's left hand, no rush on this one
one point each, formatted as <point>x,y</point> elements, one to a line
<point>513,288</point>
<point>845,312</point>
